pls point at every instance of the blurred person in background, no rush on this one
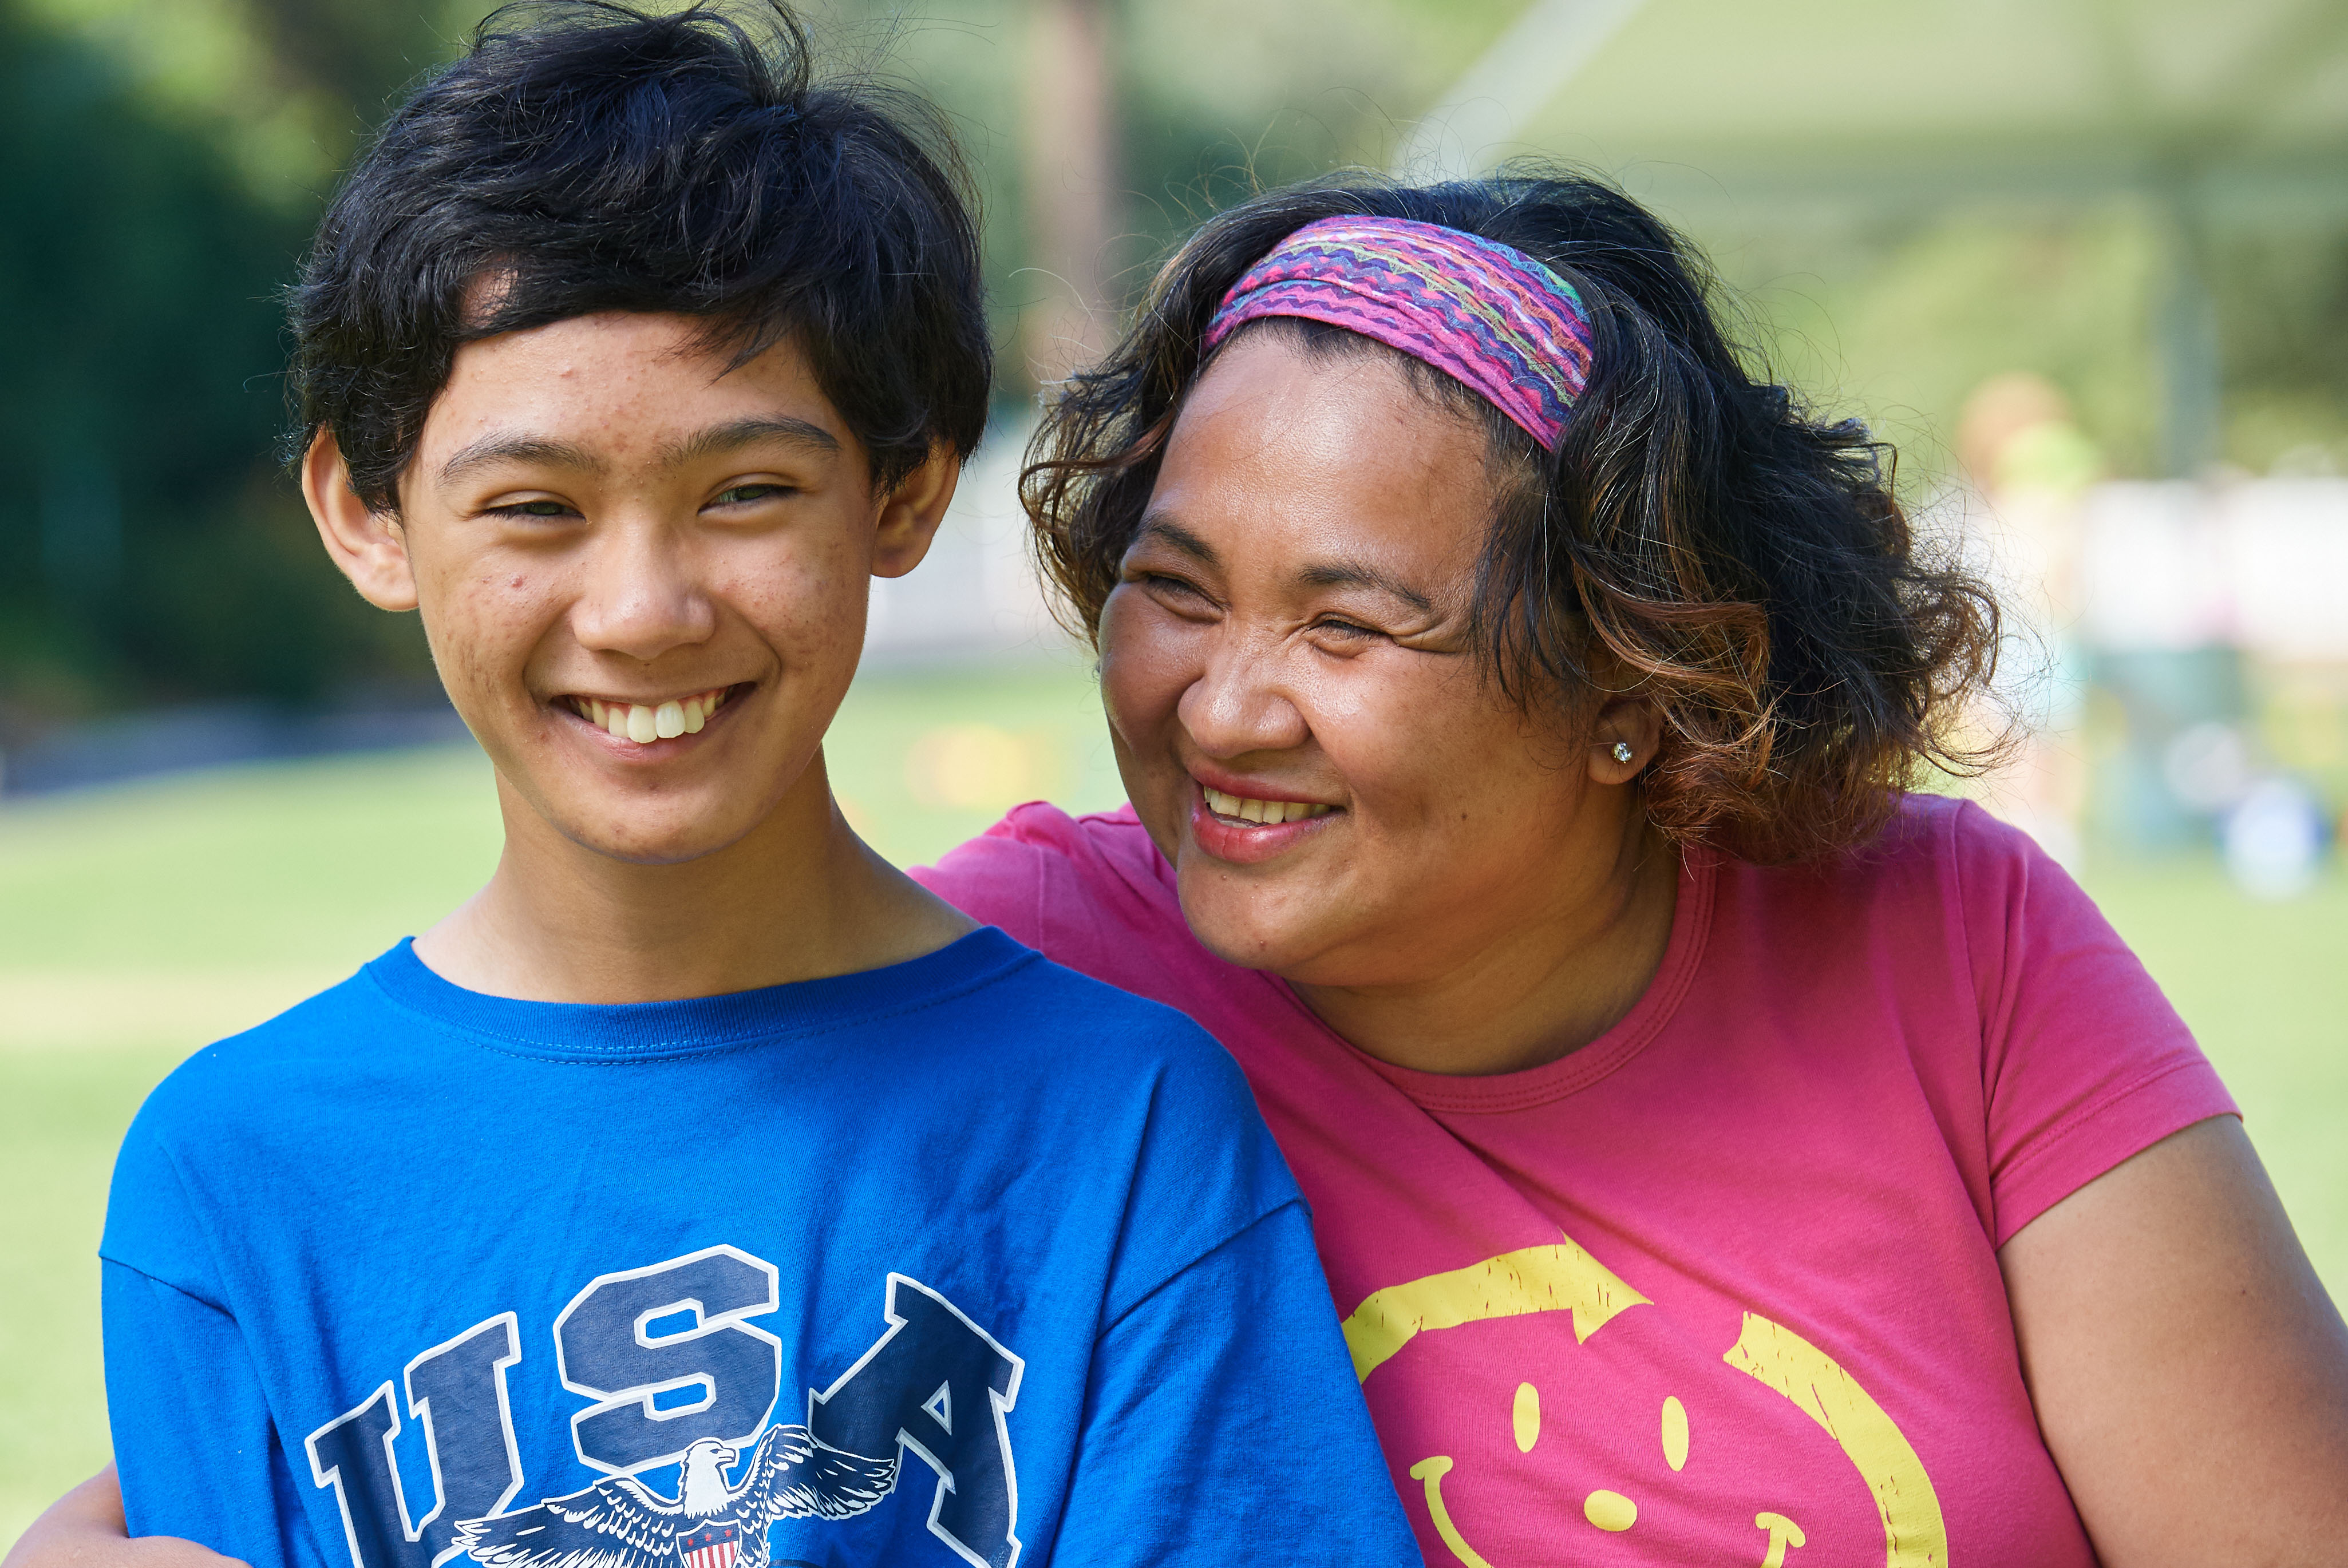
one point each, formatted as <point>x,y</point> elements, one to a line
<point>1711,1144</point>
<point>2026,458</point>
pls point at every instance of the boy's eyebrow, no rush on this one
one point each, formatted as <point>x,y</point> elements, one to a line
<point>736,433</point>
<point>506,446</point>
<point>515,448</point>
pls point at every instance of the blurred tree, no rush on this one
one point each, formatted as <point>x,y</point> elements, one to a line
<point>283,89</point>
<point>2282,307</point>
<point>1068,176</point>
<point>355,53</point>
<point>147,550</point>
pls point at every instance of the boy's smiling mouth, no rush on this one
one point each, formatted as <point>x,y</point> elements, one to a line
<point>662,719</point>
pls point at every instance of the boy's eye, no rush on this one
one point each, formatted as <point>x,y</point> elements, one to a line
<point>742,495</point>
<point>541,508</point>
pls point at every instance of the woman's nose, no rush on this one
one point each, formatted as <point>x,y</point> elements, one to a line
<point>640,597</point>
<point>1241,701</point>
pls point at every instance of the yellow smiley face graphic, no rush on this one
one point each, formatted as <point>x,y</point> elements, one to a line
<point>1563,1277</point>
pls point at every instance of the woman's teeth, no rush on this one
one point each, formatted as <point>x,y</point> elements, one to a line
<point>1270,813</point>
<point>662,722</point>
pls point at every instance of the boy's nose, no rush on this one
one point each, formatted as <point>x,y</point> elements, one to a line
<point>640,597</point>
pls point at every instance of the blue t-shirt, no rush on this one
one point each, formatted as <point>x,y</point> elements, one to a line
<point>965,1260</point>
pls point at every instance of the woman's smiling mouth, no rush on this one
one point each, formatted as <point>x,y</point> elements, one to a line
<point>1244,830</point>
<point>664,718</point>
<point>1270,813</point>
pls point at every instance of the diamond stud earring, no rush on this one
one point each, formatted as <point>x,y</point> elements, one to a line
<point>1623,751</point>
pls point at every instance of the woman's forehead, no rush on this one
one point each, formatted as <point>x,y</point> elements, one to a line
<point>1277,448</point>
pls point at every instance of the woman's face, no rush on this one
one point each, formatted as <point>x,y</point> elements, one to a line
<point>1301,721</point>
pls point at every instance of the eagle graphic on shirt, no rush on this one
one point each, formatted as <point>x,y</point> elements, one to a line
<point>710,1523</point>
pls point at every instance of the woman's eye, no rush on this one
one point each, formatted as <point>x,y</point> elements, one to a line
<point>1347,628</point>
<point>1158,582</point>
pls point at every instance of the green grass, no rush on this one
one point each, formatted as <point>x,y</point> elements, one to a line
<point>138,922</point>
<point>2265,988</point>
<point>322,865</point>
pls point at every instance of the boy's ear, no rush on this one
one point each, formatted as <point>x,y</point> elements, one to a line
<point>367,545</point>
<point>910,513</point>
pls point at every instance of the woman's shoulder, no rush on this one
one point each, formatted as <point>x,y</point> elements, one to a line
<point>1106,835</point>
<point>1953,902</point>
<point>1950,849</point>
<point>1052,879</point>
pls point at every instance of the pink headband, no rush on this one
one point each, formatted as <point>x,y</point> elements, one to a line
<point>1485,313</point>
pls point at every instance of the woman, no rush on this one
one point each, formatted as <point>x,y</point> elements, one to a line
<point>1718,1155</point>
<point>1707,1143</point>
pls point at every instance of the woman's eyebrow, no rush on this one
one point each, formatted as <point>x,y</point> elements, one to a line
<point>1162,530</point>
<point>1358,574</point>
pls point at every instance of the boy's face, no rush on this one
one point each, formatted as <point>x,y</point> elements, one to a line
<point>642,575</point>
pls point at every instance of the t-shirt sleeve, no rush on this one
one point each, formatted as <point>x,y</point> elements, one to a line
<point>1223,1424</point>
<point>1222,1421</point>
<point>193,1440</point>
<point>2085,1062</point>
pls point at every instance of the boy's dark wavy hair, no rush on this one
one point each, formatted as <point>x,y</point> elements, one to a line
<point>583,156</point>
<point>1697,533</point>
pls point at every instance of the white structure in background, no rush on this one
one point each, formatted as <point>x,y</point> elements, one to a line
<point>976,595</point>
<point>2274,839</point>
<point>2256,565</point>
<point>2261,565</point>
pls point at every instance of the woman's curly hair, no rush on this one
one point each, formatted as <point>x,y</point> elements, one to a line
<point>1696,533</point>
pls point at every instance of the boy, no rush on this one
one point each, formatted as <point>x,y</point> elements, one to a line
<point>701,1193</point>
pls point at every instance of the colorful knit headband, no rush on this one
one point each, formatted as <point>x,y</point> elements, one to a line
<point>1484,313</point>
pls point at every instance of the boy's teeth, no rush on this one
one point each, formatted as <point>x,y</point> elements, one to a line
<point>660,721</point>
<point>1270,813</point>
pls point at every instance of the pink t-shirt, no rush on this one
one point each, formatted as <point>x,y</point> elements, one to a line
<point>1722,1285</point>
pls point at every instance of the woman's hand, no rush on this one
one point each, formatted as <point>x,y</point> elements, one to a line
<point>84,1529</point>
<point>2190,1374</point>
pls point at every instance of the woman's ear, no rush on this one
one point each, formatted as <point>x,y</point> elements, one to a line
<point>1624,740</point>
<point>367,545</point>
<point>911,511</point>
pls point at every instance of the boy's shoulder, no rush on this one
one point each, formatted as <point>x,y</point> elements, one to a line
<point>1001,1006</point>
<point>308,1038</point>
<point>1066,1030</point>
<point>1126,1027</point>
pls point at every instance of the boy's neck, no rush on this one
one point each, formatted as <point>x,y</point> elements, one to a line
<point>799,898</point>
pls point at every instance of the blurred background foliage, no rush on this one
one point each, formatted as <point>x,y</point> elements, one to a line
<point>164,160</point>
